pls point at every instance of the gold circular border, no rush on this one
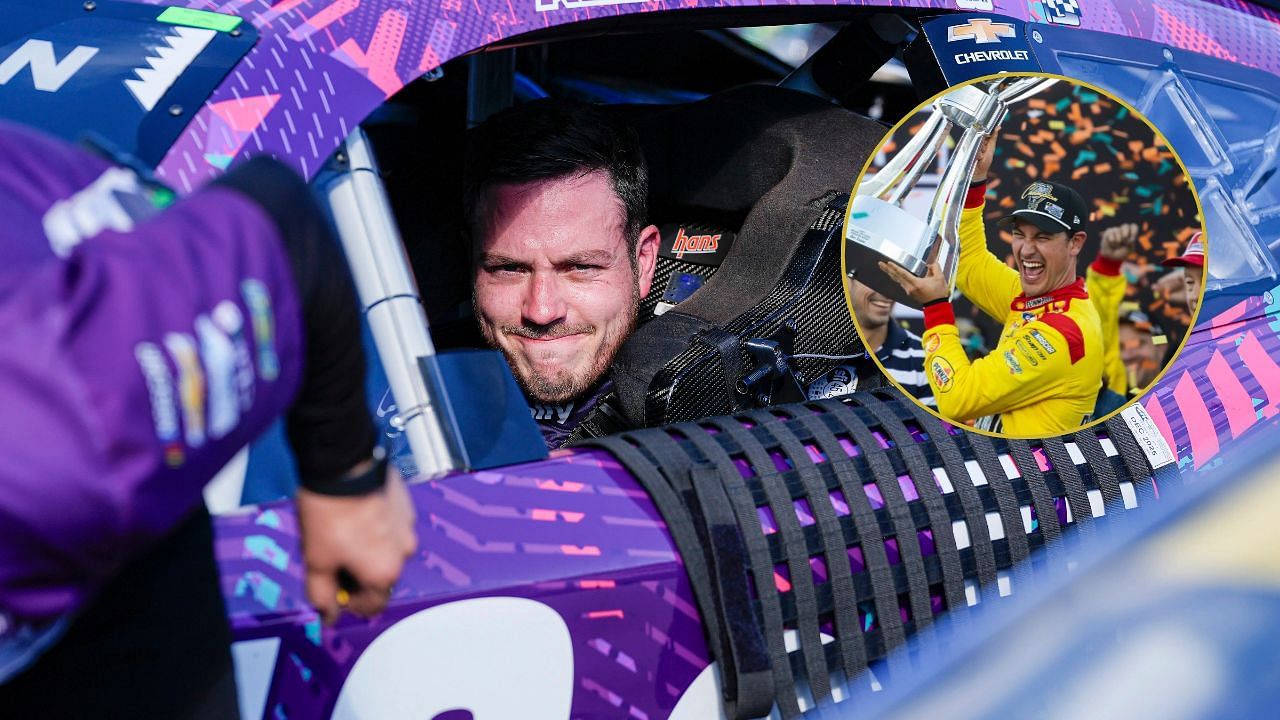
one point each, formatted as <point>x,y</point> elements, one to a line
<point>1195,196</point>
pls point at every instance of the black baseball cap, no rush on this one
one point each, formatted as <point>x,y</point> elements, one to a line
<point>1050,206</point>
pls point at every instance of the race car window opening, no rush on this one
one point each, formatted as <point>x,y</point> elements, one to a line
<point>417,133</point>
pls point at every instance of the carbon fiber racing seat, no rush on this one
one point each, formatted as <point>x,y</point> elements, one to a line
<point>775,166</point>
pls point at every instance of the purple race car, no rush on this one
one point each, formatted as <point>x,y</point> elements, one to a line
<point>572,585</point>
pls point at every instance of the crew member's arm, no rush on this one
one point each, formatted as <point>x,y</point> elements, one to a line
<point>138,363</point>
<point>353,509</point>
<point>1106,287</point>
<point>983,278</point>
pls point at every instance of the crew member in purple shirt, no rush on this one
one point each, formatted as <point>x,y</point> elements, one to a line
<point>143,346</point>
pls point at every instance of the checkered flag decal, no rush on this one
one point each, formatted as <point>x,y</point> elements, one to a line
<point>1062,12</point>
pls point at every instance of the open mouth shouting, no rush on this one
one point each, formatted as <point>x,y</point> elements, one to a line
<point>1032,272</point>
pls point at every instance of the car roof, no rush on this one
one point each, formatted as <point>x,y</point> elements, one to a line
<point>317,69</point>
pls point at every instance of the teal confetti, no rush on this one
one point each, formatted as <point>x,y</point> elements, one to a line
<point>1122,113</point>
<point>1085,156</point>
<point>1063,104</point>
<point>1087,97</point>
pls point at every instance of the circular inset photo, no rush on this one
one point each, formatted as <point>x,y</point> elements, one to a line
<point>1024,254</point>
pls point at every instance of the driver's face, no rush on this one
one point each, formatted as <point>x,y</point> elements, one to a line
<point>555,288</point>
<point>1045,260</point>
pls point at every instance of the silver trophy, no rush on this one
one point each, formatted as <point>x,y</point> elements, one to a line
<point>878,228</point>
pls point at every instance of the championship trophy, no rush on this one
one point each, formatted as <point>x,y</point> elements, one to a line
<point>879,229</point>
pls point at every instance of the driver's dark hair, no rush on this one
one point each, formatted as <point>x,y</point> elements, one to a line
<point>552,138</point>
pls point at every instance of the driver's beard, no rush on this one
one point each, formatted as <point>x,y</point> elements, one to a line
<point>558,389</point>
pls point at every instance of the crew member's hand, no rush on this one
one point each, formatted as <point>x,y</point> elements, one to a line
<point>366,537</point>
<point>933,286</point>
<point>1118,242</point>
<point>986,153</point>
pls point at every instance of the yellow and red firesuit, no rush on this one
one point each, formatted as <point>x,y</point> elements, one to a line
<point>1044,375</point>
<point>1106,288</point>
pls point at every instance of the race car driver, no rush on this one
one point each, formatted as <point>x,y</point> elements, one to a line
<point>1044,375</point>
<point>144,347</point>
<point>556,199</point>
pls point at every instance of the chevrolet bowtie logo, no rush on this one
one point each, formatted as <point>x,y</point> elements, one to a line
<point>981,31</point>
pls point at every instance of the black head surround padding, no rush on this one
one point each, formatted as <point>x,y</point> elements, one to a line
<point>772,163</point>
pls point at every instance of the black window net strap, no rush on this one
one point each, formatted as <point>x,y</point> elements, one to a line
<point>761,563</point>
<point>832,562</point>
<point>805,619</point>
<point>1007,505</point>
<point>792,545</point>
<point>906,537</point>
<point>892,418</point>
<point>1045,510</point>
<point>1100,465</point>
<point>974,516</point>
<point>844,595</point>
<point>1072,481</point>
<point>886,593</point>
<point>827,528</point>
<point>747,678</point>
<point>868,540</point>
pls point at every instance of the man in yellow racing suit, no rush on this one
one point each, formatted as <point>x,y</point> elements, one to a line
<point>1045,373</point>
<point>1106,287</point>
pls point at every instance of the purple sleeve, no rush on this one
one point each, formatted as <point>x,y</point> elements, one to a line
<point>131,370</point>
